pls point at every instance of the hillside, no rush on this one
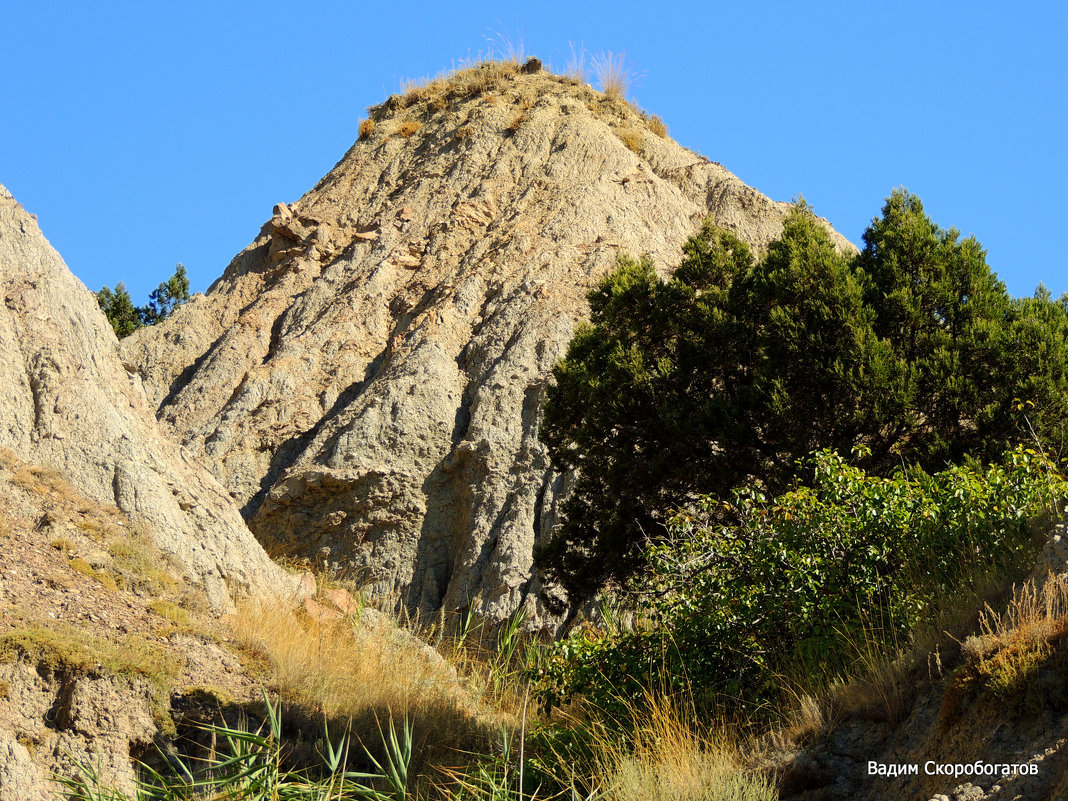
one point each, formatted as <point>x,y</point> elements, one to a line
<point>66,401</point>
<point>365,378</point>
<point>359,395</point>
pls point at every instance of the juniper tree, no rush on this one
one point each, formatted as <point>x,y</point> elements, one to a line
<point>735,369</point>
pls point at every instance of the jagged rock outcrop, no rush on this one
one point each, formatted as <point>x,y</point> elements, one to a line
<point>366,377</point>
<point>66,401</point>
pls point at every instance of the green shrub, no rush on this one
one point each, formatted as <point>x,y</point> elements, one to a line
<point>793,583</point>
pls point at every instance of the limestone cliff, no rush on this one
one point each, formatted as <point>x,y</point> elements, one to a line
<point>366,377</point>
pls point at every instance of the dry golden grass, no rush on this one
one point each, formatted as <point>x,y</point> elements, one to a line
<point>1013,646</point>
<point>1018,656</point>
<point>575,67</point>
<point>632,138</point>
<point>612,74</point>
<point>367,127</point>
<point>1035,614</point>
<point>361,669</point>
<point>466,81</point>
<point>657,126</point>
<point>503,48</point>
<point>877,688</point>
<point>671,760</point>
<point>408,128</point>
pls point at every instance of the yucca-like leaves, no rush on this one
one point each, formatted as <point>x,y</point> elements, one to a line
<point>251,768</point>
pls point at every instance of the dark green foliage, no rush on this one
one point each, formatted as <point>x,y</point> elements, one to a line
<point>167,297</point>
<point>724,611</point>
<point>126,318</point>
<point>735,369</point>
<point>1036,349</point>
<point>118,307</point>
<point>943,314</point>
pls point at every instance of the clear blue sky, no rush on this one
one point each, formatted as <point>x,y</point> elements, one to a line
<point>144,134</point>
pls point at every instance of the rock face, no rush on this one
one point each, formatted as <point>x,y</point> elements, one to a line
<point>66,401</point>
<point>366,377</point>
<point>55,719</point>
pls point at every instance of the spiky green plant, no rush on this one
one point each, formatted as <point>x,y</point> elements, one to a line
<point>250,767</point>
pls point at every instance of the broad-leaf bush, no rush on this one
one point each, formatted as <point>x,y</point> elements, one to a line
<point>791,583</point>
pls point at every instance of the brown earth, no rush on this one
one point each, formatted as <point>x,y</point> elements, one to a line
<point>98,632</point>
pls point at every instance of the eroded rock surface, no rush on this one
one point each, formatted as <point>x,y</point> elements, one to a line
<point>52,721</point>
<point>366,377</point>
<point>66,401</point>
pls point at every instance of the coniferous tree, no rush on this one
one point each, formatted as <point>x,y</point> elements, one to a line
<point>167,297</point>
<point>118,307</point>
<point>734,370</point>
<point>125,318</point>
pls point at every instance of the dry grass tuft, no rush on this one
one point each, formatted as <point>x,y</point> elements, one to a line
<point>575,67</point>
<point>362,669</point>
<point>670,760</point>
<point>516,122</point>
<point>1035,614</point>
<point>612,74</point>
<point>1013,645</point>
<point>408,128</point>
<point>1019,656</point>
<point>632,138</point>
<point>657,126</point>
<point>877,689</point>
<point>503,48</point>
<point>367,127</point>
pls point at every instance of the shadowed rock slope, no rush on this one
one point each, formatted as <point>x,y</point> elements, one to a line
<point>66,401</point>
<point>366,377</point>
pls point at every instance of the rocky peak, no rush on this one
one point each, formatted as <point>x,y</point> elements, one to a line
<point>366,377</point>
